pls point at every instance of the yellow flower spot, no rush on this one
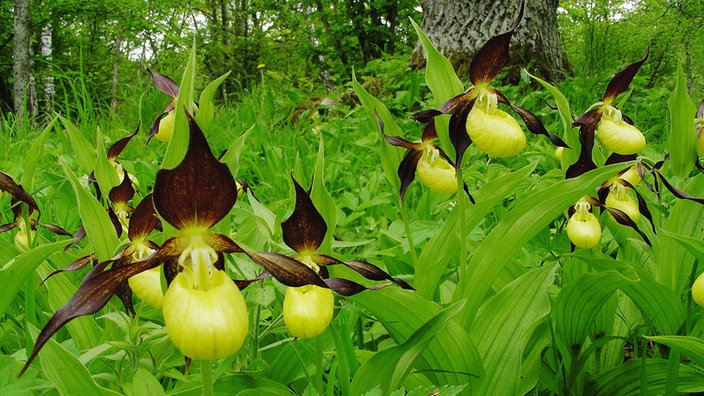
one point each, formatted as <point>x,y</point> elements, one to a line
<point>617,135</point>
<point>583,228</point>
<point>308,310</point>
<point>435,172</point>
<point>492,130</point>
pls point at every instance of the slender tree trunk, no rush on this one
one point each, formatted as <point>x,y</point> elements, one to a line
<point>115,73</point>
<point>323,71</point>
<point>21,56</point>
<point>459,28</point>
<point>48,80</point>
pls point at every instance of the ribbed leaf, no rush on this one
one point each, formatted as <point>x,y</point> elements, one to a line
<point>144,383</point>
<point>179,138</point>
<point>683,135</point>
<point>692,347</point>
<point>524,221</point>
<point>443,245</point>
<point>206,108</point>
<point>450,358</point>
<point>692,245</point>
<point>439,73</point>
<point>66,372</point>
<point>390,156</point>
<point>14,274</point>
<point>96,221</point>
<point>577,305</point>
<point>84,151</point>
<point>104,172</point>
<point>33,155</point>
<point>389,367</point>
<point>625,380</point>
<point>510,318</point>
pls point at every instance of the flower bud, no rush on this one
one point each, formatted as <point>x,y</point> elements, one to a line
<point>208,323</point>
<point>492,130</point>
<point>583,228</point>
<point>435,172</point>
<point>166,126</point>
<point>147,287</point>
<point>617,135</point>
<point>308,310</point>
<point>618,199</point>
<point>698,290</point>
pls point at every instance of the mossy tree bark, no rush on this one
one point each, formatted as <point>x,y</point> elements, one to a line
<point>459,28</point>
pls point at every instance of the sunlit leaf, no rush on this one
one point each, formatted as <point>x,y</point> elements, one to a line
<point>627,379</point>
<point>206,108</point>
<point>179,138</point>
<point>683,135</point>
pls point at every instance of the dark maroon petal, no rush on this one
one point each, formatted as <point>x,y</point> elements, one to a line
<point>115,221</point>
<point>643,207</point>
<point>56,229</point>
<point>492,57</point>
<point>678,193</point>
<point>699,165</point>
<point>286,270</point>
<point>95,291</point>
<point>164,84</point>
<point>461,103</point>
<point>7,227</point>
<point>430,133</point>
<point>425,116</point>
<point>400,142</point>
<point>76,265</point>
<point>587,125</point>
<point>344,287</point>
<point>120,145</point>
<point>325,260</point>
<point>534,125</point>
<point>77,236</point>
<point>17,192</point>
<point>143,220</point>
<point>407,170</point>
<point>458,135</point>
<point>700,112</point>
<point>123,192</point>
<point>198,192</point>
<point>305,229</point>
<point>621,80</point>
<point>623,219</point>
<point>154,128</point>
<point>615,158</point>
<point>241,284</point>
<point>373,272</point>
<point>222,243</point>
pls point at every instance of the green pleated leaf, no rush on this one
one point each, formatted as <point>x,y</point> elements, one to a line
<point>323,200</point>
<point>626,379</point>
<point>443,246</point>
<point>510,317</point>
<point>683,135</point>
<point>569,135</point>
<point>660,306</point>
<point>179,139</point>
<point>96,221</point>
<point>105,174</point>
<point>33,155</point>
<point>525,220</point>
<point>389,367</point>
<point>692,245</point>
<point>232,155</point>
<point>85,153</point>
<point>206,108</point>
<point>144,383</point>
<point>578,304</point>
<point>14,274</point>
<point>66,372</point>
<point>450,358</point>
<point>390,155</point>
<point>692,347</point>
<point>439,73</point>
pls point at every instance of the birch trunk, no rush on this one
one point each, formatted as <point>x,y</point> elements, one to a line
<point>21,59</point>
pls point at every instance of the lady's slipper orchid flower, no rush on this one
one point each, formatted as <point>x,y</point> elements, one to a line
<point>25,227</point>
<point>615,131</point>
<point>699,125</point>
<point>163,126</point>
<point>583,228</point>
<point>475,115</point>
<point>433,167</point>
<point>308,305</point>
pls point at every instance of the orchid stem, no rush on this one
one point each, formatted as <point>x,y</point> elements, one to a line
<point>409,236</point>
<point>319,364</point>
<point>206,375</point>
<point>463,232</point>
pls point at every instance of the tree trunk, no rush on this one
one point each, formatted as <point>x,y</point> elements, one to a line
<point>21,56</point>
<point>48,80</point>
<point>459,28</point>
